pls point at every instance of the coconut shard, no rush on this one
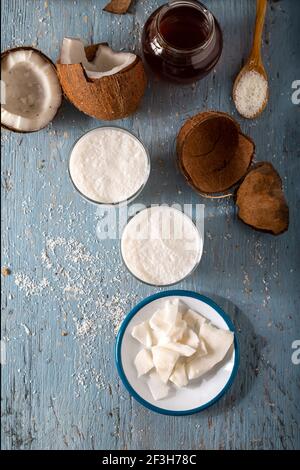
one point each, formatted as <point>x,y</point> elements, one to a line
<point>118,7</point>
<point>30,90</point>
<point>102,83</point>
<point>261,201</point>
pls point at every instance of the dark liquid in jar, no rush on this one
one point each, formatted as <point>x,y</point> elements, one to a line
<point>183,54</point>
<point>184,28</point>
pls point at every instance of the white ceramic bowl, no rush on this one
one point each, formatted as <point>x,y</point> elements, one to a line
<point>199,394</point>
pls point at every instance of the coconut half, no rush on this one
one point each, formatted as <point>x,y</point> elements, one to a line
<point>213,153</point>
<point>31,92</point>
<point>99,81</point>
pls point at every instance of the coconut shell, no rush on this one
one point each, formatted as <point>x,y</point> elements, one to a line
<point>4,54</point>
<point>118,7</point>
<point>213,153</point>
<point>261,201</point>
<point>107,98</point>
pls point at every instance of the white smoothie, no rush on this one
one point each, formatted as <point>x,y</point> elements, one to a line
<point>109,165</point>
<point>161,245</point>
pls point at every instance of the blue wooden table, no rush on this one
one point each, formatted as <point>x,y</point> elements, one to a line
<point>68,290</point>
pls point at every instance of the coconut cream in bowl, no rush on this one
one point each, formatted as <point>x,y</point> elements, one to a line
<point>177,352</point>
<point>161,246</point>
<point>109,166</point>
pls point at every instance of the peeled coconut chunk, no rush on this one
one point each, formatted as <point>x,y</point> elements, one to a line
<point>194,320</point>
<point>177,331</point>
<point>179,377</point>
<point>164,361</point>
<point>218,342</point>
<point>32,92</point>
<point>142,334</point>
<point>190,338</point>
<point>100,82</point>
<point>261,201</point>
<point>157,387</point>
<point>181,349</point>
<point>164,319</point>
<point>118,7</point>
<point>200,352</point>
<point>143,362</point>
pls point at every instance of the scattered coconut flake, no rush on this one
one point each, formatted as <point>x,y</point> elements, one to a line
<point>81,282</point>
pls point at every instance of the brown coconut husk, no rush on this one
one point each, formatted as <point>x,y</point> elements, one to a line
<point>213,153</point>
<point>108,98</point>
<point>261,200</point>
<point>118,7</point>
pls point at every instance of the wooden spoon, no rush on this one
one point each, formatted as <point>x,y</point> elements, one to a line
<point>254,62</point>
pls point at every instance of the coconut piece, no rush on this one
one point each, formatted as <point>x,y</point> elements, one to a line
<point>143,362</point>
<point>102,83</point>
<point>190,338</point>
<point>182,349</point>
<point>31,90</point>
<point>218,342</point>
<point>118,7</point>
<point>157,387</point>
<point>164,361</point>
<point>142,333</point>
<point>166,318</point>
<point>179,377</point>
<point>177,331</point>
<point>106,62</point>
<point>194,320</point>
<point>213,153</point>
<point>200,351</point>
<point>261,201</point>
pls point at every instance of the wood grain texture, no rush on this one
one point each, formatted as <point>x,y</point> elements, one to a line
<point>53,396</point>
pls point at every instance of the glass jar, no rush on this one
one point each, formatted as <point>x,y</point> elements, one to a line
<point>182,41</point>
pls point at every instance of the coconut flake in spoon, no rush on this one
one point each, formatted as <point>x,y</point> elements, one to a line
<point>105,63</point>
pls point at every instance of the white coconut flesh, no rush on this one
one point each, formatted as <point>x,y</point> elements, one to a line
<point>106,62</point>
<point>31,91</point>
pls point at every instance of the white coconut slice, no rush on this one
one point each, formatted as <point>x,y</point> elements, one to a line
<point>164,361</point>
<point>200,352</point>
<point>194,320</point>
<point>157,387</point>
<point>32,92</point>
<point>142,333</point>
<point>181,349</point>
<point>164,319</point>
<point>190,338</point>
<point>105,63</point>
<point>218,342</point>
<point>177,331</point>
<point>143,362</point>
<point>179,376</point>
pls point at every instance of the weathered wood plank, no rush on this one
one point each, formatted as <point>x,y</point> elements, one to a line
<point>62,392</point>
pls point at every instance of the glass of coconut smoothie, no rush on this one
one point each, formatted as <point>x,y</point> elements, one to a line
<point>161,246</point>
<point>109,166</point>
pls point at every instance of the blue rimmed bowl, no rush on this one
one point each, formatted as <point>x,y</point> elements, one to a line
<point>200,393</point>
